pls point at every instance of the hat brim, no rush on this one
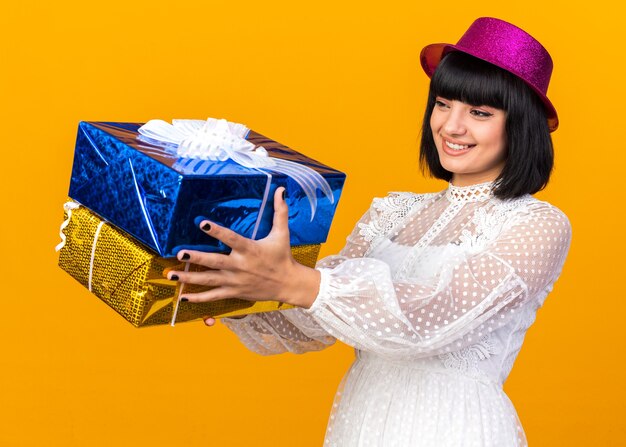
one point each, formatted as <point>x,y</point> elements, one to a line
<point>432,54</point>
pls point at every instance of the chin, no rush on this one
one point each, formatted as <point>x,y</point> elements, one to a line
<point>455,168</point>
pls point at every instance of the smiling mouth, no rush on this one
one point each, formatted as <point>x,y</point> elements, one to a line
<point>458,147</point>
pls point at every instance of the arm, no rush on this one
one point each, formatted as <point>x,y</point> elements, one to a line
<point>473,294</point>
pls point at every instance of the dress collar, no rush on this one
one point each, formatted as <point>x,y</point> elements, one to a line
<point>472,193</point>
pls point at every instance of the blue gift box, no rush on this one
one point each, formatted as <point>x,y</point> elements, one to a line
<point>158,198</point>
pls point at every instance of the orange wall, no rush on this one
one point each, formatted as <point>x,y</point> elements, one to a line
<point>341,82</point>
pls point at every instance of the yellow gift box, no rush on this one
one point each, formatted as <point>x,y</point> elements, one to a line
<point>129,277</point>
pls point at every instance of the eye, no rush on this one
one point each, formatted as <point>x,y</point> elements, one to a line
<point>440,103</point>
<point>480,113</point>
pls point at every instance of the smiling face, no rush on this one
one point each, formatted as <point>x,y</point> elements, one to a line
<point>470,140</point>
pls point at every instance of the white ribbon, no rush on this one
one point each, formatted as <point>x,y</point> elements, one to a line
<point>68,207</point>
<point>93,252</point>
<point>220,140</point>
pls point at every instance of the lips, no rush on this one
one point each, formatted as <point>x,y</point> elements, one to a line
<point>455,148</point>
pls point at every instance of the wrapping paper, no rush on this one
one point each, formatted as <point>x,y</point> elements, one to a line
<point>129,277</point>
<point>158,198</point>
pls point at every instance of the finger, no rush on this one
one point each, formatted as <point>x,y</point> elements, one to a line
<point>209,321</point>
<point>280,226</point>
<point>211,278</point>
<point>225,235</point>
<point>215,261</point>
<point>219,293</point>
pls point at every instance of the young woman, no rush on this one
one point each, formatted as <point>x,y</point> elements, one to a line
<point>434,291</point>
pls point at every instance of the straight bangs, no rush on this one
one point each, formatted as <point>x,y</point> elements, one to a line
<point>464,78</point>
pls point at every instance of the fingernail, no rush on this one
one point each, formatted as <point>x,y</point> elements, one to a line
<point>174,277</point>
<point>206,226</point>
<point>284,193</point>
<point>185,257</point>
<point>184,300</point>
<point>199,219</point>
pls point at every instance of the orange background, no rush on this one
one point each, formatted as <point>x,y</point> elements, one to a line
<point>339,81</point>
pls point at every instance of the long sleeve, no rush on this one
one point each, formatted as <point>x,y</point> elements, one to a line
<point>276,332</point>
<point>513,262</point>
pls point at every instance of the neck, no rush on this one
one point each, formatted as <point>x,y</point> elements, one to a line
<point>469,180</point>
<point>476,192</point>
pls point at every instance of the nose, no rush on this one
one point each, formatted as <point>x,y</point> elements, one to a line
<point>455,124</point>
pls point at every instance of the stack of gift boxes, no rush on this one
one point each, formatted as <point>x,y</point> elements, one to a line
<point>134,202</point>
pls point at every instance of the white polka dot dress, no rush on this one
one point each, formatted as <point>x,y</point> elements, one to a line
<point>435,292</point>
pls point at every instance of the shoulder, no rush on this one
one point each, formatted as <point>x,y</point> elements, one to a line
<point>532,211</point>
<point>397,204</point>
<point>397,200</point>
<point>387,212</point>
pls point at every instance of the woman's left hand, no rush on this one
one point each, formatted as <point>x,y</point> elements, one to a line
<point>262,270</point>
